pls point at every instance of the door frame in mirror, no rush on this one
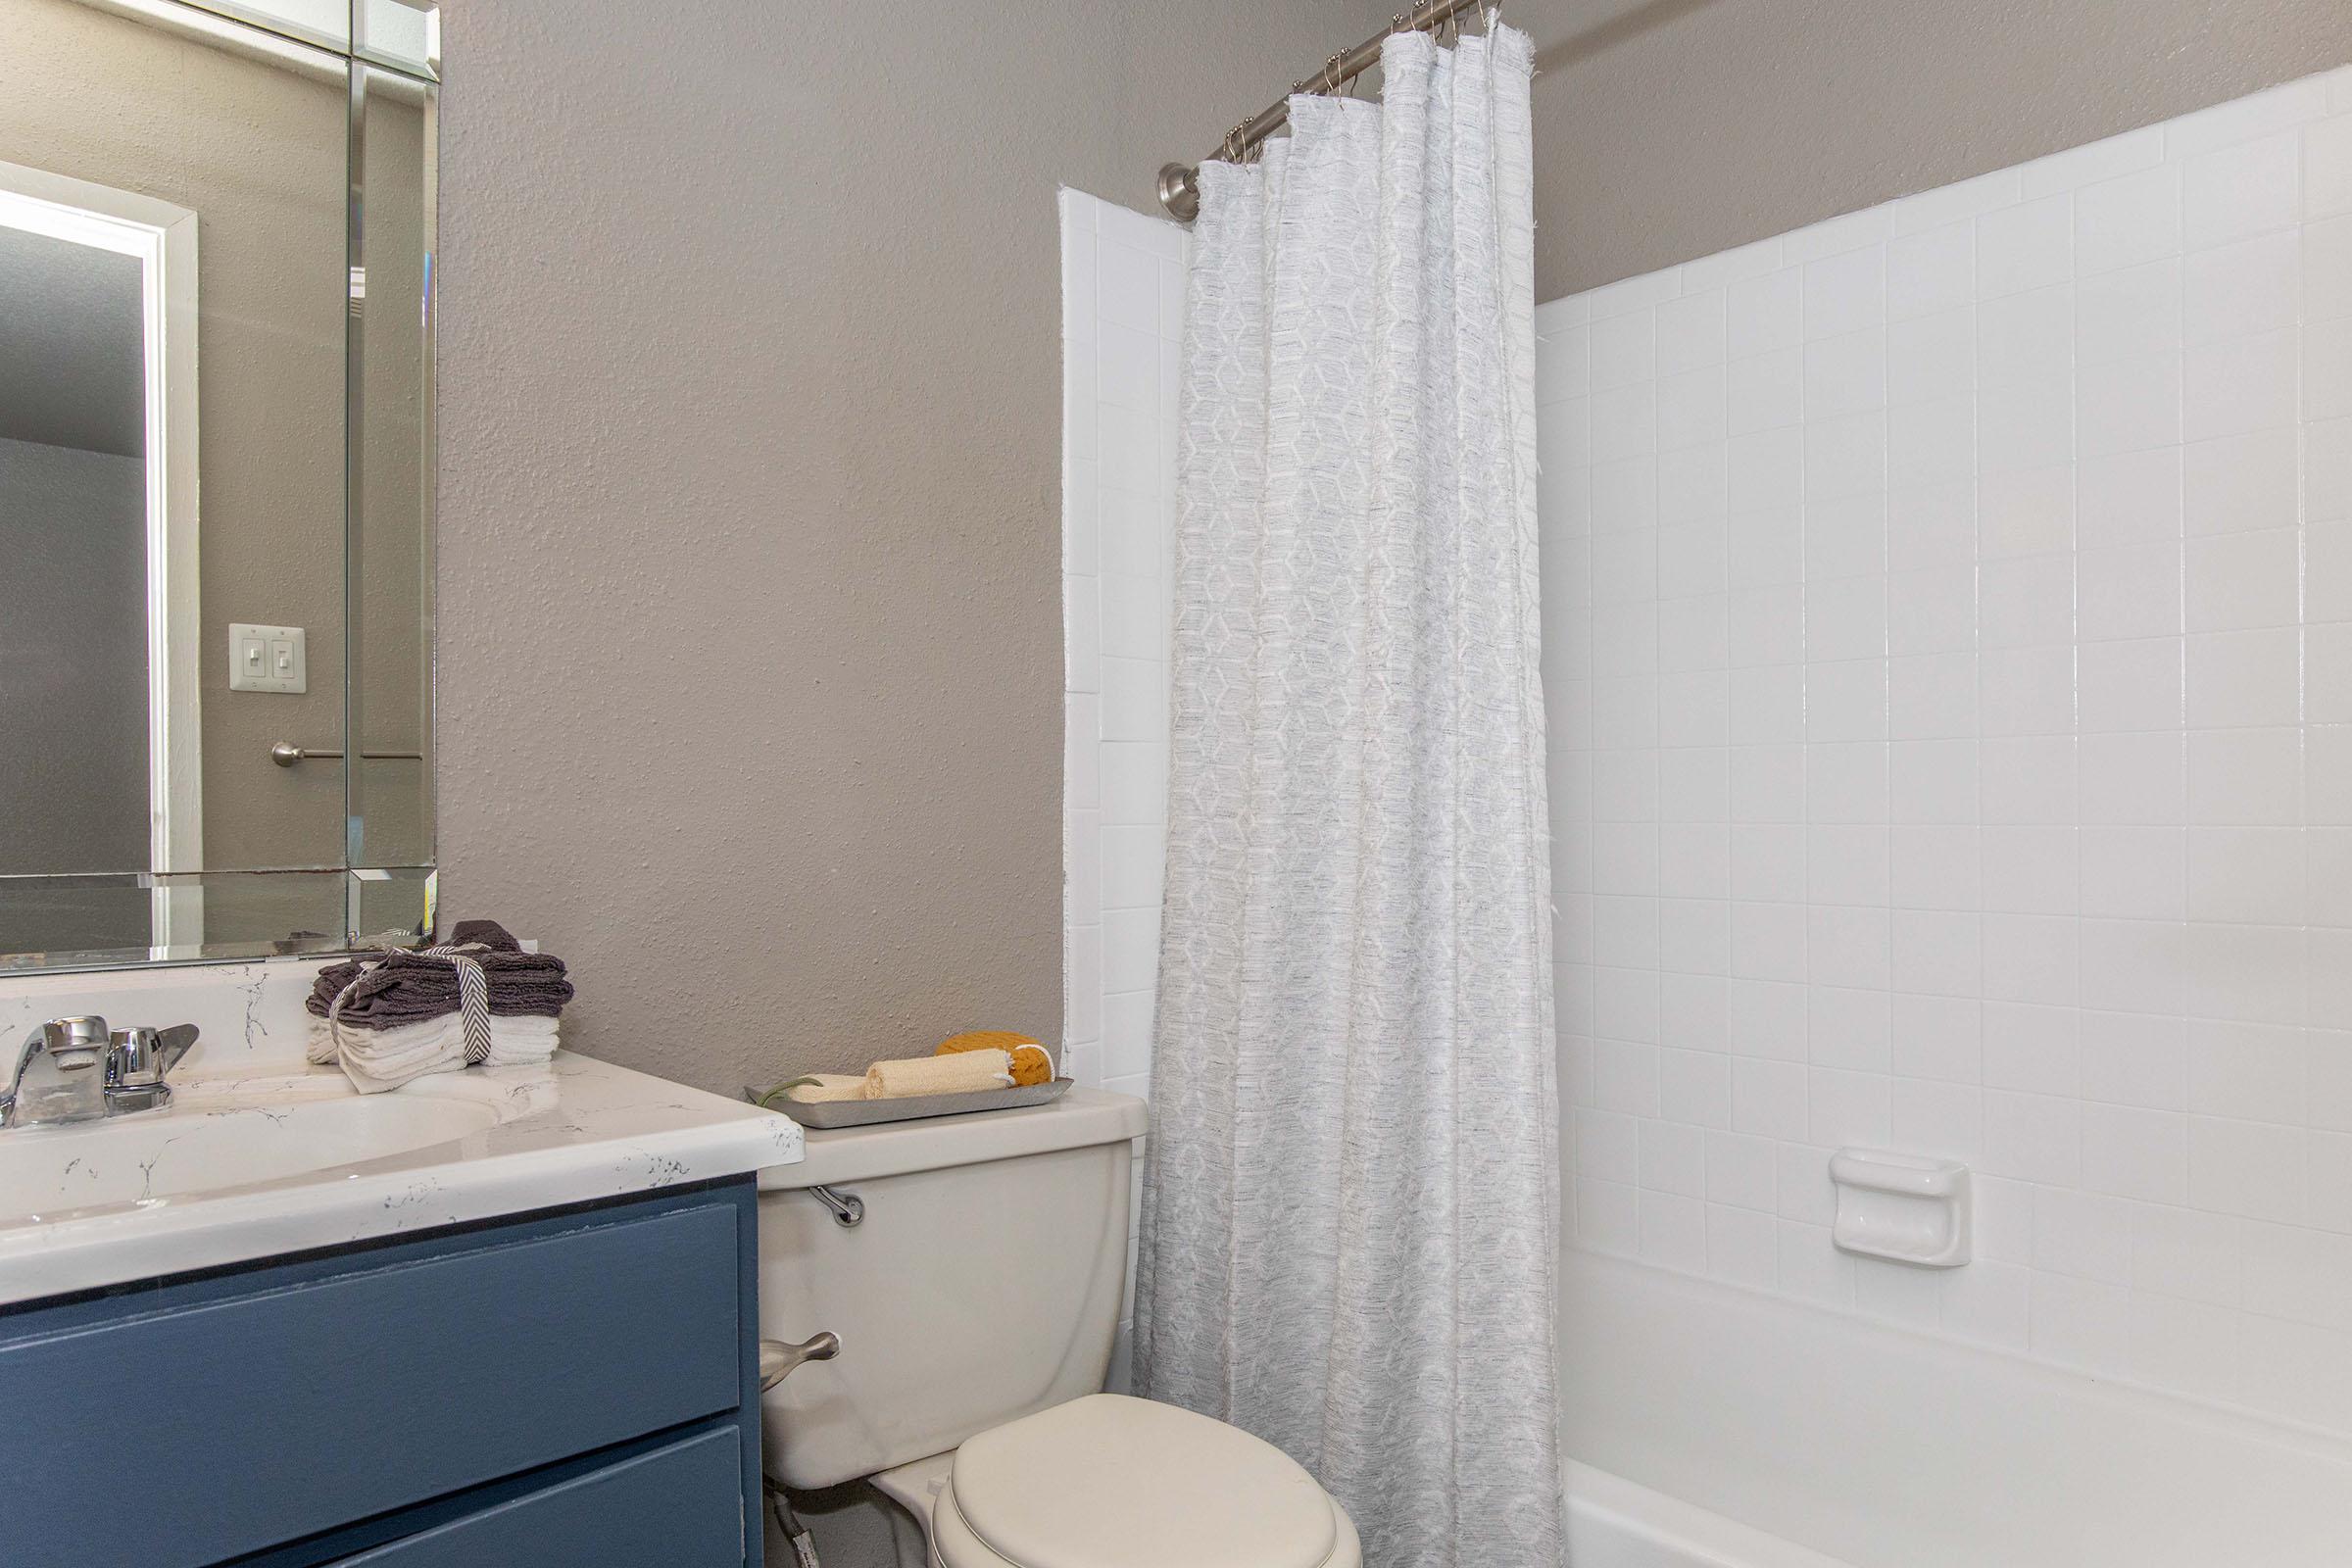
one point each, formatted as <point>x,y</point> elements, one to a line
<point>162,238</point>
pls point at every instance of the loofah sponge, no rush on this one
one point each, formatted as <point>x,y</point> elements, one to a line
<point>963,1073</point>
<point>1032,1063</point>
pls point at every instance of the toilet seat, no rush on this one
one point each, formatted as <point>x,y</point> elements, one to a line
<point>1110,1482</point>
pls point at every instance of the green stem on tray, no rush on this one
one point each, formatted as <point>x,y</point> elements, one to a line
<point>765,1100</point>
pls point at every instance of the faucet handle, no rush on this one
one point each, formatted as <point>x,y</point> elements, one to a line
<point>172,1044</point>
<point>140,1058</point>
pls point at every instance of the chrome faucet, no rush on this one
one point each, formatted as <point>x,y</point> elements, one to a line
<point>59,1074</point>
<point>77,1069</point>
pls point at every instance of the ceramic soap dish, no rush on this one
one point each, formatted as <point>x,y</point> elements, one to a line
<point>827,1113</point>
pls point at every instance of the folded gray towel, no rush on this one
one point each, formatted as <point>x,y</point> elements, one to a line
<point>406,988</point>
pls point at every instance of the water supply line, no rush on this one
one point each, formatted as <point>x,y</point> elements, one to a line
<point>778,1360</point>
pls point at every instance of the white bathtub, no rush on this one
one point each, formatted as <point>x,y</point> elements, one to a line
<point>1612,1523</point>
<point>1711,1427</point>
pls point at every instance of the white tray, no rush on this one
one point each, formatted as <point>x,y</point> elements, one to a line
<point>824,1113</point>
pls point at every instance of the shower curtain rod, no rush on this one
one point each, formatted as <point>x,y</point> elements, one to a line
<point>1180,183</point>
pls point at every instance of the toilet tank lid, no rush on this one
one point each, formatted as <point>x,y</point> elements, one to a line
<point>1079,1119</point>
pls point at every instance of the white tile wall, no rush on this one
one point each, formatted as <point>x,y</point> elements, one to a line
<point>1949,651</point>
<point>1123,326</point>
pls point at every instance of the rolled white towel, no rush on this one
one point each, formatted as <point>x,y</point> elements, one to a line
<point>377,1059</point>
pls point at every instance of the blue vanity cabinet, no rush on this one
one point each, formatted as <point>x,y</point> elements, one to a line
<point>574,1387</point>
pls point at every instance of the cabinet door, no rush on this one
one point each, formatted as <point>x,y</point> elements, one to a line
<point>306,1396</point>
<point>678,1506</point>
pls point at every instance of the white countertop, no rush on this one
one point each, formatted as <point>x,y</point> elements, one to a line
<point>258,1131</point>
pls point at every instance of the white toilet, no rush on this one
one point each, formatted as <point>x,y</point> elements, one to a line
<point>973,1266</point>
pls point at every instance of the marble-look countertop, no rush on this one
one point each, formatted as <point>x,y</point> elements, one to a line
<point>262,1154</point>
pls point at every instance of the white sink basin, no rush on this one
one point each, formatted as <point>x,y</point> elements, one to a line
<point>209,1142</point>
<point>261,1155</point>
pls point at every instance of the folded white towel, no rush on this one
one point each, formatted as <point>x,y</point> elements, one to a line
<point>376,1059</point>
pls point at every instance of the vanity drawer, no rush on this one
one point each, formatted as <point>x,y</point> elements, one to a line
<point>256,1410</point>
<point>680,1506</point>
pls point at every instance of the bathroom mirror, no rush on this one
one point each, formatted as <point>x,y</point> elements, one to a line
<point>216,477</point>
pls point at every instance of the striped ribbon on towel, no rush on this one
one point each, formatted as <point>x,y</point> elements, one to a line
<point>473,994</point>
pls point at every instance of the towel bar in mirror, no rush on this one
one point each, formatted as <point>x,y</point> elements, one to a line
<point>285,754</point>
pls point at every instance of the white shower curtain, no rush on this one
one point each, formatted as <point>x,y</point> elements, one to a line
<point>1349,1224</point>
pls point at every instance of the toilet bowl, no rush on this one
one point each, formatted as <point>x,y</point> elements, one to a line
<point>975,1282</point>
<point>1137,1485</point>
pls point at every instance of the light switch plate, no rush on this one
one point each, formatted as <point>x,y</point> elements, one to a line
<point>267,659</point>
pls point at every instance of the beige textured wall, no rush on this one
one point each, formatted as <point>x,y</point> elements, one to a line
<point>750,421</point>
<point>1667,130</point>
<point>749,370</point>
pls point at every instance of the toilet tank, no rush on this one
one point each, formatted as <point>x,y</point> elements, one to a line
<point>981,1284</point>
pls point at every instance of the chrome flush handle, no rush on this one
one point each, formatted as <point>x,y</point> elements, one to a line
<point>782,1358</point>
<point>849,1210</point>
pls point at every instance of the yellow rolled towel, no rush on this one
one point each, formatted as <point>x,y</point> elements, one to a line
<point>959,1074</point>
<point>819,1087</point>
<point>1032,1063</point>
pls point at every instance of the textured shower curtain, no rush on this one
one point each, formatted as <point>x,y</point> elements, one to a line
<point>1349,1221</point>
